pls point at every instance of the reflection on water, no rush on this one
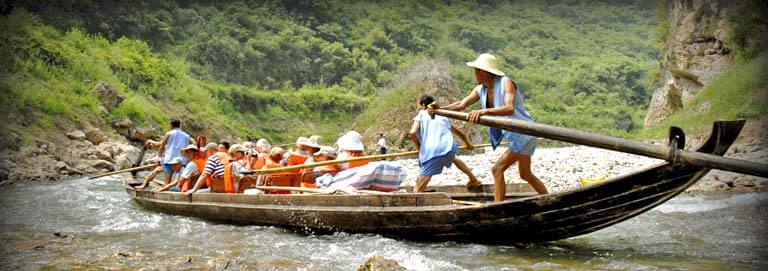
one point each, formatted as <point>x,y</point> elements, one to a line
<point>99,226</point>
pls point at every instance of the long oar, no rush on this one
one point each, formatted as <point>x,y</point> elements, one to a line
<point>123,171</point>
<point>369,158</point>
<point>616,144</point>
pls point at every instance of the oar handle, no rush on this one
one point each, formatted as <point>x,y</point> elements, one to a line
<point>616,144</point>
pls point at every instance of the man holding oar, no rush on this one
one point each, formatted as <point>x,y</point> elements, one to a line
<point>433,137</point>
<point>499,96</point>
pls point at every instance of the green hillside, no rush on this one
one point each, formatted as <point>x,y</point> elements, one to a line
<point>284,68</point>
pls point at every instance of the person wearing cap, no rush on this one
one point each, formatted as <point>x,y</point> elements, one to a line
<point>213,170</point>
<point>190,171</point>
<point>231,177</point>
<point>500,96</point>
<point>433,137</point>
<point>351,146</point>
<point>275,157</point>
<point>210,149</point>
<point>170,146</point>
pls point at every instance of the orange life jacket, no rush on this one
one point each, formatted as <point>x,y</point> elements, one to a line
<point>229,186</point>
<point>260,161</point>
<point>186,183</point>
<point>224,159</point>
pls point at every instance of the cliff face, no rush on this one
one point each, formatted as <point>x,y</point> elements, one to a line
<point>697,52</point>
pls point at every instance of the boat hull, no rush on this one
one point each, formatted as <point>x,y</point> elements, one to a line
<point>434,216</point>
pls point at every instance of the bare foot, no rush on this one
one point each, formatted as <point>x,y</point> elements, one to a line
<point>137,188</point>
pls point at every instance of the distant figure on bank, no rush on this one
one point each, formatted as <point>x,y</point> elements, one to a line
<point>382,144</point>
<point>437,148</point>
<point>499,96</point>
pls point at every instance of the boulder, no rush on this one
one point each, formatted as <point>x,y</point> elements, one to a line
<point>103,164</point>
<point>76,135</point>
<point>61,165</point>
<point>123,123</point>
<point>377,263</point>
<point>103,155</point>
<point>107,94</point>
<point>141,134</point>
<point>94,135</point>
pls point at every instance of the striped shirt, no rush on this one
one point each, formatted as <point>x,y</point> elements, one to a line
<point>214,167</point>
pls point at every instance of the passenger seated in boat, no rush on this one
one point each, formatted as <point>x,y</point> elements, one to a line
<point>230,183</point>
<point>262,151</point>
<point>190,172</point>
<point>224,147</point>
<point>214,169</point>
<point>326,153</point>
<point>276,179</point>
<point>305,147</point>
<point>351,146</point>
<point>210,149</point>
<point>433,137</point>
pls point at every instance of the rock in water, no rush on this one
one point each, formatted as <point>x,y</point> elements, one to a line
<point>76,135</point>
<point>377,263</point>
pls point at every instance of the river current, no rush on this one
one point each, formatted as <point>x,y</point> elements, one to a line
<point>93,224</point>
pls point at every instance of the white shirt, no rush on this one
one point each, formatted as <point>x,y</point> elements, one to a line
<point>189,170</point>
<point>382,142</point>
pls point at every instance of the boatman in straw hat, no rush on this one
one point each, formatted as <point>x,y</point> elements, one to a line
<point>499,96</point>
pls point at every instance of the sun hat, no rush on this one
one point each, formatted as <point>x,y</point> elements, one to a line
<point>236,148</point>
<point>328,151</point>
<point>302,141</point>
<point>189,147</point>
<point>313,141</point>
<point>276,151</point>
<point>486,62</point>
<point>351,141</point>
<point>210,146</point>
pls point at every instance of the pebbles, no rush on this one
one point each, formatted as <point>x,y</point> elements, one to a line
<point>559,168</point>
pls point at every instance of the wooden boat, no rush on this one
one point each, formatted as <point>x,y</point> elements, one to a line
<point>435,216</point>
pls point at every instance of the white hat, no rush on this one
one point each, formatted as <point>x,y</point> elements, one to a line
<point>236,148</point>
<point>276,151</point>
<point>210,146</point>
<point>351,141</point>
<point>302,141</point>
<point>313,141</point>
<point>486,62</point>
<point>327,151</point>
<point>190,147</point>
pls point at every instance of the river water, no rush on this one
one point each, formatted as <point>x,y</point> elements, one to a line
<point>93,224</point>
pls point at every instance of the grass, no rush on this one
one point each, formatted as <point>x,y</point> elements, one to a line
<point>735,95</point>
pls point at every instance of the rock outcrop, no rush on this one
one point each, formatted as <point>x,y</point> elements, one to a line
<point>697,52</point>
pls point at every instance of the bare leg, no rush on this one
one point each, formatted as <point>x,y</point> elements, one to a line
<point>499,185</point>
<point>421,183</point>
<point>149,178</point>
<point>464,168</point>
<point>526,174</point>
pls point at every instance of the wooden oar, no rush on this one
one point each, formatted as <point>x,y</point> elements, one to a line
<point>369,158</point>
<point>616,144</point>
<point>124,170</point>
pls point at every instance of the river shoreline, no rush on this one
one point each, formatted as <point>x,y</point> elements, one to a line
<point>559,168</point>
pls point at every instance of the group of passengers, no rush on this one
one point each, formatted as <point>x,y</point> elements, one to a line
<point>225,168</point>
<point>191,167</point>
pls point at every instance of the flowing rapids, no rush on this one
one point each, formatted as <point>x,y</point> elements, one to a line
<point>93,223</point>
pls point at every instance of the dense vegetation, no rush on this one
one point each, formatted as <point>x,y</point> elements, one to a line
<point>282,68</point>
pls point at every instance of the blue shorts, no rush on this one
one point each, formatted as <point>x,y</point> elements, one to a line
<point>435,165</point>
<point>521,144</point>
<point>167,168</point>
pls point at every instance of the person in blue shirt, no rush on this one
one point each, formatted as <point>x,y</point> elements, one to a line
<point>433,137</point>
<point>499,96</point>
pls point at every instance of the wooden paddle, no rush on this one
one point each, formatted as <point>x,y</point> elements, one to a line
<point>123,171</point>
<point>369,158</point>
